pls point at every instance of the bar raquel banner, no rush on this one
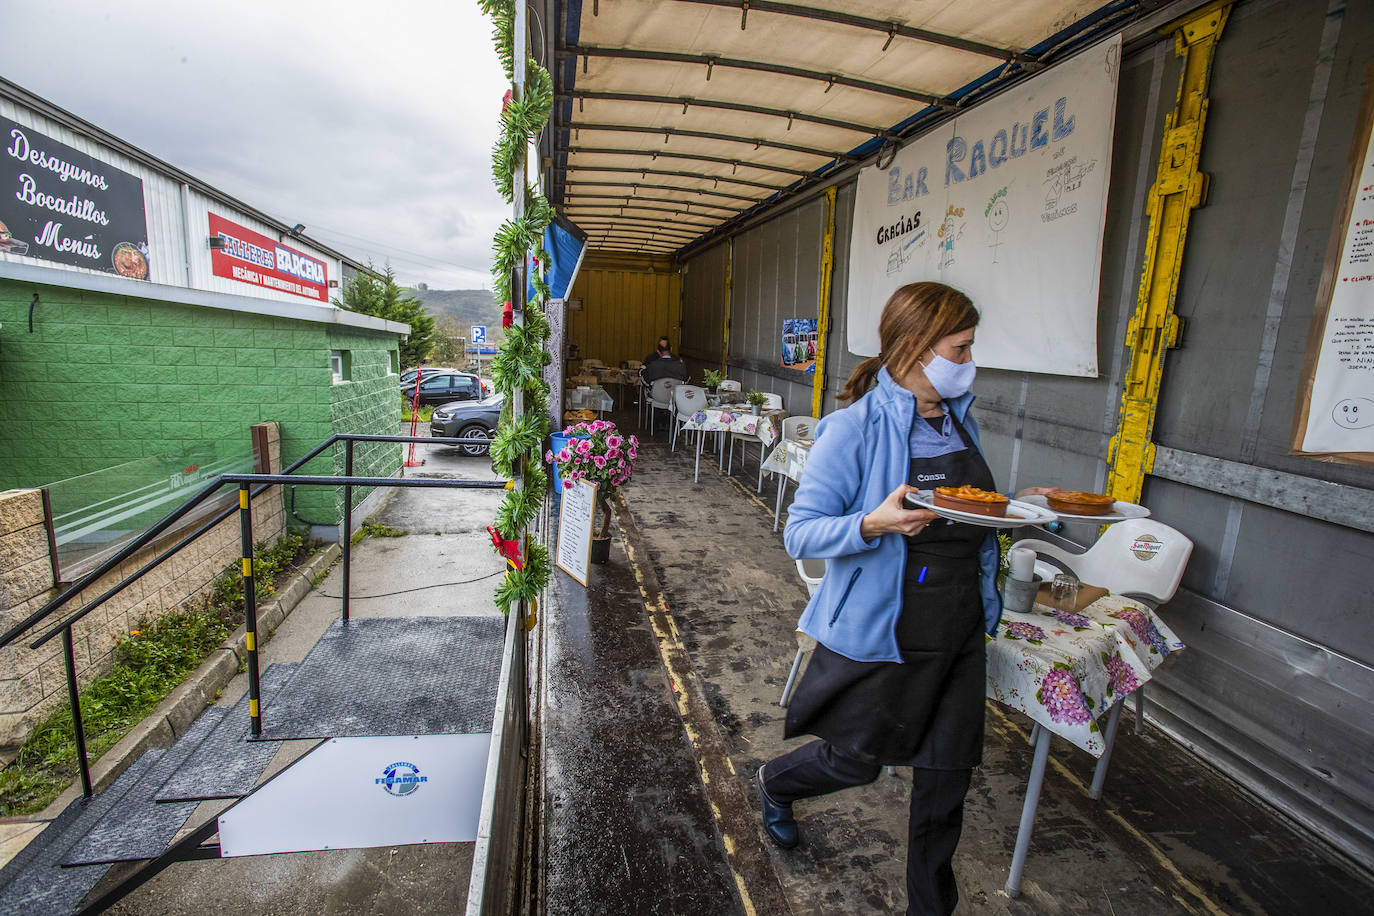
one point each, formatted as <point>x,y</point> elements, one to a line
<point>251,257</point>
<point>1007,203</point>
<point>60,204</point>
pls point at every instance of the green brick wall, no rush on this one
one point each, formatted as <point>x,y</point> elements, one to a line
<point>106,379</point>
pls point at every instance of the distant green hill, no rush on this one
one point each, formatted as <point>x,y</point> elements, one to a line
<point>464,307</point>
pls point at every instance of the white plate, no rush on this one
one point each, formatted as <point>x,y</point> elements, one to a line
<point>1120,511</point>
<point>1018,513</point>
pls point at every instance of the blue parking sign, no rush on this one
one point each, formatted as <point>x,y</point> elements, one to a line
<point>479,334</point>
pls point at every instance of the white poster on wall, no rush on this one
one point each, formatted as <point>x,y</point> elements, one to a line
<point>1340,410</point>
<point>1006,203</point>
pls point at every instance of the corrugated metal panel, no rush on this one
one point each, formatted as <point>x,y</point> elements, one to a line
<point>623,312</point>
<point>703,306</point>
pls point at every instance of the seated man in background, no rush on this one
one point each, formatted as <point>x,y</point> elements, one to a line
<point>663,364</point>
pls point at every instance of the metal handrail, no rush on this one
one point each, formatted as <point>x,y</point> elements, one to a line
<point>246,494</point>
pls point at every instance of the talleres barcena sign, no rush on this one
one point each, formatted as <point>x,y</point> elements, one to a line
<point>251,257</point>
<point>59,204</point>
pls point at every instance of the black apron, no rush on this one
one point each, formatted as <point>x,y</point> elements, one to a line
<point>927,711</point>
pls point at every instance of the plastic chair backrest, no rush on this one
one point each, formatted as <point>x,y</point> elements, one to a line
<point>799,427</point>
<point>1136,557</point>
<point>633,364</point>
<point>688,399</point>
<point>593,364</point>
<point>728,385</point>
<point>661,393</point>
<point>772,401</point>
<point>812,571</point>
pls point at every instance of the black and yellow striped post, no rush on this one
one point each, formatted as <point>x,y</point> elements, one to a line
<point>250,613</point>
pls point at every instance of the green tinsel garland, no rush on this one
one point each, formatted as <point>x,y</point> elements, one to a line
<point>521,358</point>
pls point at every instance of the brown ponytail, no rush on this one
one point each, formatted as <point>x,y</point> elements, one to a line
<point>914,319</point>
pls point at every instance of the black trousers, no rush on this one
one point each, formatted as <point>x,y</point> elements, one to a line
<point>937,814</point>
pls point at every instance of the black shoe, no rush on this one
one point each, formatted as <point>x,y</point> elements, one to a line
<point>777,819</point>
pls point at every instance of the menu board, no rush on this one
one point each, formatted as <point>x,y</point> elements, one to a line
<point>251,257</point>
<point>575,530</point>
<point>1336,413</point>
<point>59,204</point>
<point>1006,202</point>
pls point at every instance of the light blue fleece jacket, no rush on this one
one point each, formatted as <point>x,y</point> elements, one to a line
<point>862,453</point>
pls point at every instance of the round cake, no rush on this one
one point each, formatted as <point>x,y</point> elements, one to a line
<point>971,499</point>
<point>1078,502</point>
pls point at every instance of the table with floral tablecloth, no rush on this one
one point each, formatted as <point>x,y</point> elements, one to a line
<point>730,419</point>
<point>1066,670</point>
<point>788,461</point>
<point>1071,672</point>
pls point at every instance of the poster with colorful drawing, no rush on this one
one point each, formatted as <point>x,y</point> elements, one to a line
<point>1006,202</point>
<point>799,337</point>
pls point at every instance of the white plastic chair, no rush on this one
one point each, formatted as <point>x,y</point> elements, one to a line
<point>772,401</point>
<point>1139,558</point>
<point>593,364</point>
<point>661,398</point>
<point>811,571</point>
<point>687,400</point>
<point>729,385</point>
<point>633,364</point>
<point>794,428</point>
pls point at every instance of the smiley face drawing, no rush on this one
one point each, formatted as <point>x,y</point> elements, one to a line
<point>999,215</point>
<point>1354,413</point>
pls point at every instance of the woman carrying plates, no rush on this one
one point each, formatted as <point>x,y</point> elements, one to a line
<point>898,677</point>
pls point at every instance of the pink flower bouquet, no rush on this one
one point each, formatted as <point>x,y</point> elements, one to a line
<point>600,455</point>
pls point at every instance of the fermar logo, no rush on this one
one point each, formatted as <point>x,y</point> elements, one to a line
<point>1146,547</point>
<point>400,778</point>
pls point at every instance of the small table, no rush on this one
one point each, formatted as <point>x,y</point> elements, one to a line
<point>1071,673</point>
<point>788,461</point>
<point>737,420</point>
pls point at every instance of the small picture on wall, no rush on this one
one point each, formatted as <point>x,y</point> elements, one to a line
<point>799,337</point>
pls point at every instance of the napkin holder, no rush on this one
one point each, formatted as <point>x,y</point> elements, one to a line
<point>1018,595</point>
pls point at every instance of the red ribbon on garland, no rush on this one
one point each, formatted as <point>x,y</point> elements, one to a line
<point>507,315</point>
<point>508,549</point>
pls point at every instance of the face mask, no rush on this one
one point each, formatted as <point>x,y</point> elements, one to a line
<point>949,379</point>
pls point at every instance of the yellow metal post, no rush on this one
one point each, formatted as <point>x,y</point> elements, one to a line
<point>1179,187</point>
<point>827,268</point>
<point>729,285</point>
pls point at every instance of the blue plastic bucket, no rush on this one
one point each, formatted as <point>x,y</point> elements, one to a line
<point>559,442</point>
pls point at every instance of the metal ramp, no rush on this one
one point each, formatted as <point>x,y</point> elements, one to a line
<point>420,692</point>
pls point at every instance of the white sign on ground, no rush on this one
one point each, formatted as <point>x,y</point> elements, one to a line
<point>1006,203</point>
<point>575,529</point>
<point>351,793</point>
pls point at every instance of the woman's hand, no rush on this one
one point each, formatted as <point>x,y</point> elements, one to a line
<point>892,516</point>
<point>1035,491</point>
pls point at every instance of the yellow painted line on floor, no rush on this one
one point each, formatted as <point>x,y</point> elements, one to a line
<point>678,664</point>
<point>1159,855</point>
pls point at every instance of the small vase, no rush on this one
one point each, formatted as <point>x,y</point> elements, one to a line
<point>754,409</point>
<point>601,550</point>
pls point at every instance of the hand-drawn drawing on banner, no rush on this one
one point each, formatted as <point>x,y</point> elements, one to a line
<point>1336,415</point>
<point>1007,203</point>
<point>799,344</point>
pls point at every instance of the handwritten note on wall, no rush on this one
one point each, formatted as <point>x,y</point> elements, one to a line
<point>1340,409</point>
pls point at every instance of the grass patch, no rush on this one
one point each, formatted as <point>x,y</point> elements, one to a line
<point>369,530</point>
<point>424,413</point>
<point>150,661</point>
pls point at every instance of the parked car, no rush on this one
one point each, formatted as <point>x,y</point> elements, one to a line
<point>442,387</point>
<point>408,376</point>
<point>468,420</point>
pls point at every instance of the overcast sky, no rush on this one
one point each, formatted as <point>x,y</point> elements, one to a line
<point>372,124</point>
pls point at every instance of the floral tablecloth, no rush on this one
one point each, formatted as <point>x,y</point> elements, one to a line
<point>788,459</point>
<point>1066,671</point>
<point>617,376</point>
<point>717,419</point>
<point>587,399</point>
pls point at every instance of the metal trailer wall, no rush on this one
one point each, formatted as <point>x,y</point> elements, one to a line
<point>624,311</point>
<point>1277,685</point>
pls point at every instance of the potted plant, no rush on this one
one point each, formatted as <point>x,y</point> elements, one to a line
<point>756,401</point>
<point>711,378</point>
<point>596,452</point>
